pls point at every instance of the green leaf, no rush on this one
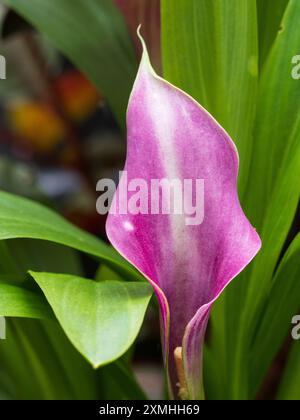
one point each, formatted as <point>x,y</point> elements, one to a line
<point>22,356</point>
<point>101,319</point>
<point>255,299</point>
<point>23,360</point>
<point>37,255</point>
<point>66,370</point>
<point>210,51</point>
<point>7,263</point>
<point>273,189</point>
<point>18,302</point>
<point>118,383</point>
<point>105,273</point>
<point>269,14</point>
<point>289,388</point>
<point>23,218</point>
<point>37,369</point>
<point>39,362</point>
<point>277,120</point>
<point>282,304</point>
<point>92,34</point>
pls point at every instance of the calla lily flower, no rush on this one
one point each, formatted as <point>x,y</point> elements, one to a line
<point>170,136</point>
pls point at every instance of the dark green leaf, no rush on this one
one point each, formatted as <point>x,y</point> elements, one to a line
<point>105,273</point>
<point>277,122</point>
<point>289,388</point>
<point>282,304</point>
<point>35,367</point>
<point>37,255</point>
<point>269,14</point>
<point>273,189</point>
<point>118,383</point>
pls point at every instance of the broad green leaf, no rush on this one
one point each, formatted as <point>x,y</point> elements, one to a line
<point>282,304</point>
<point>210,51</point>
<point>93,35</point>
<point>18,302</point>
<point>269,15</point>
<point>289,388</point>
<point>101,319</point>
<point>22,218</point>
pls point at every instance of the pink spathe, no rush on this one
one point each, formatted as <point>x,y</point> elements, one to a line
<point>169,135</point>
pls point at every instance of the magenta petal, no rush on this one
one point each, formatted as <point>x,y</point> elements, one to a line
<point>171,136</point>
